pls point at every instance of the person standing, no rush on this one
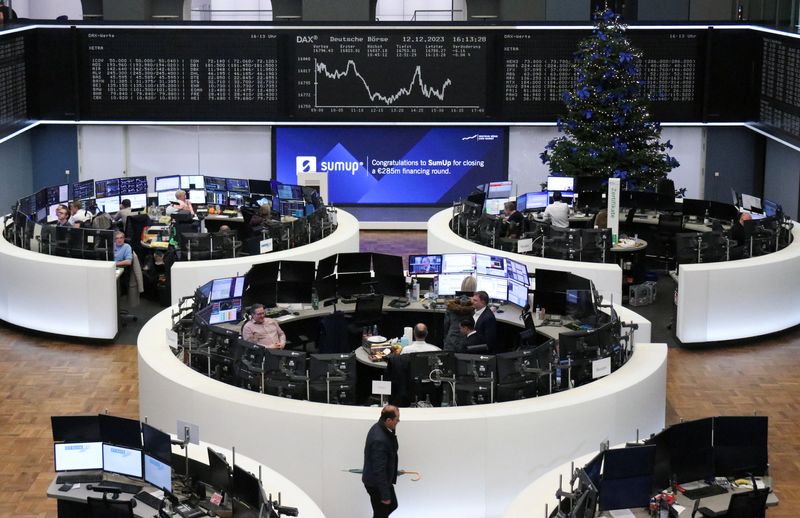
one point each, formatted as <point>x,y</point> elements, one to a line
<point>380,462</point>
<point>485,323</point>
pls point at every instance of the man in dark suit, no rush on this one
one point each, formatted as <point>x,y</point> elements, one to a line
<point>380,462</point>
<point>472,337</point>
<point>485,323</point>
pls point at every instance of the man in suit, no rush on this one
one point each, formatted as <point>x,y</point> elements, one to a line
<point>485,323</point>
<point>472,337</point>
<point>380,462</point>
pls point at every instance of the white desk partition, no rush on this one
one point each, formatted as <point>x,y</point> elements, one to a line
<point>186,276</point>
<point>474,460</point>
<point>740,299</point>
<point>60,295</point>
<point>607,278</point>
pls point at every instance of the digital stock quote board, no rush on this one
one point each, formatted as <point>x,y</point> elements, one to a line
<point>780,84</point>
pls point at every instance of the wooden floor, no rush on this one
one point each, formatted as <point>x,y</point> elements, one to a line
<point>41,376</point>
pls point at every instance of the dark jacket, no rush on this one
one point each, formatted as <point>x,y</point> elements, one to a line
<point>474,339</point>
<point>456,311</point>
<point>380,460</point>
<point>486,326</point>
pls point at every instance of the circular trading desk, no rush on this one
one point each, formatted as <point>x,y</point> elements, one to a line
<point>607,278</point>
<point>473,460</point>
<point>186,276</point>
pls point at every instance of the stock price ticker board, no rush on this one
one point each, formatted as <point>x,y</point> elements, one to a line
<point>13,85</point>
<point>379,75</point>
<point>179,74</point>
<point>780,84</point>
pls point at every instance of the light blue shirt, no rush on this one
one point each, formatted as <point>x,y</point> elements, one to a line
<point>123,253</point>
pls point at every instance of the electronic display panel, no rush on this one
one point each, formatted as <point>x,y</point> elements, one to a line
<point>83,190</point>
<point>490,265</point>
<point>560,183</point>
<point>393,165</point>
<point>449,284</point>
<point>14,87</point>
<point>108,205</point>
<point>517,271</point>
<point>495,206</point>
<point>138,201</point>
<point>168,183</point>
<point>226,288</point>
<point>57,194</point>
<point>125,461</point>
<point>421,264</point>
<point>78,456</point>
<point>458,263</point>
<point>192,182</point>
<point>157,473</point>
<point>496,287</point>
<point>517,293</point>
<point>166,197</point>
<point>133,185</point>
<point>106,188</point>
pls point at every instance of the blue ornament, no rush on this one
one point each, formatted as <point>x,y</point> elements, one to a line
<point>583,93</point>
<point>587,114</point>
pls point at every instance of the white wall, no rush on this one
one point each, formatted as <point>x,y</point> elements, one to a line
<point>394,10</point>
<point>48,9</point>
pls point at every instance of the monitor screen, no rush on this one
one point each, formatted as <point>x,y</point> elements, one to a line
<point>495,205</point>
<point>168,183</point>
<point>138,201</point>
<point>193,182</point>
<point>496,287</point>
<point>534,200</point>
<point>83,190</point>
<point>560,183</point>
<point>120,431</point>
<point>690,450</point>
<point>260,187</point>
<point>226,288</point>
<point>215,183</point>
<point>750,202</point>
<point>246,487</point>
<point>740,445</point>
<point>326,267</point>
<point>238,185</point>
<point>75,428</point>
<point>627,477</point>
<point>499,189</point>
<point>106,188</point>
<point>449,284</point>
<point>219,472</point>
<point>57,194</point>
<point>125,461</point>
<point>156,443</point>
<point>289,192</point>
<point>165,197</point>
<point>235,199</point>
<point>567,197</point>
<point>75,456</point>
<point>157,473</point>
<point>385,264</point>
<point>517,271</point>
<point>225,311</point>
<point>293,292</point>
<point>490,265</point>
<point>41,214</point>
<point>197,196</point>
<point>51,212</point>
<point>421,264</point>
<point>517,293</point>
<point>132,185</point>
<point>458,263</point>
<point>551,280</point>
<point>353,262</point>
<point>302,271</point>
<point>109,205</point>
<point>770,208</point>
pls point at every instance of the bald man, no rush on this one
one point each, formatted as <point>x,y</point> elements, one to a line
<point>380,462</point>
<point>419,345</point>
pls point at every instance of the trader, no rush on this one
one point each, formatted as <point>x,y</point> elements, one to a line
<point>183,204</point>
<point>380,462</point>
<point>62,216</point>
<point>123,255</point>
<point>78,214</point>
<point>737,230</point>
<point>419,345</point>
<point>262,330</point>
<point>514,220</point>
<point>557,212</point>
<point>485,323</point>
<point>123,213</point>
<point>471,337</point>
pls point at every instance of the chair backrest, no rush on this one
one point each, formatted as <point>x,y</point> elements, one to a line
<point>670,222</point>
<point>369,308</point>
<point>750,504</point>
<point>105,508</point>
<point>398,372</point>
<point>134,226</point>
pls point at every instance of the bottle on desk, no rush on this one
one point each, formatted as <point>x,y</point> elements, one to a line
<point>415,291</point>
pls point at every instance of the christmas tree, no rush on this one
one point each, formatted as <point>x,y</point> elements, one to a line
<point>608,131</point>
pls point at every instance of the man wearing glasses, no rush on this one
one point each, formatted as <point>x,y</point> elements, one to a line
<point>262,330</point>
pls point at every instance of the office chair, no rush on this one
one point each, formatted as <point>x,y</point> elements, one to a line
<point>668,226</point>
<point>105,508</point>
<point>750,504</point>
<point>398,372</point>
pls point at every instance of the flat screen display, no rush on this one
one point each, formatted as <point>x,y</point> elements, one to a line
<point>106,188</point>
<point>422,264</point>
<point>393,165</point>
<point>125,461</point>
<point>226,288</point>
<point>458,263</point>
<point>121,431</point>
<point>225,311</point>
<point>133,185</point>
<point>165,197</point>
<point>517,293</point>
<point>499,189</point>
<point>75,428</point>
<point>560,183</point>
<point>496,287</point>
<point>214,183</point>
<point>535,200</point>
<point>109,205</point>
<point>156,443</point>
<point>197,196</point>
<point>192,182</point>
<point>168,183</point>
<point>76,456</point>
<point>157,473</point>
<point>490,265</point>
<point>495,206</point>
<point>449,284</point>
<point>517,271</point>
<point>138,201</point>
<point>238,185</point>
<point>83,190</point>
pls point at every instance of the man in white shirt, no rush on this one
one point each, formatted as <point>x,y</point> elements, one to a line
<point>79,215</point>
<point>557,212</point>
<point>419,345</point>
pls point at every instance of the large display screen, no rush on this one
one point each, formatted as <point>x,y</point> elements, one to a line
<point>780,84</point>
<point>393,165</point>
<point>13,84</point>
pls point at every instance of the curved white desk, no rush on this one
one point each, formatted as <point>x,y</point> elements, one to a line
<point>186,276</point>
<point>474,460</point>
<point>740,299</point>
<point>607,278</point>
<point>60,295</point>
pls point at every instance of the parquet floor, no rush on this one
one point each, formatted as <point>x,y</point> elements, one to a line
<point>41,376</point>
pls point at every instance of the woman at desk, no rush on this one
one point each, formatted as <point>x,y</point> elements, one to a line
<point>182,204</point>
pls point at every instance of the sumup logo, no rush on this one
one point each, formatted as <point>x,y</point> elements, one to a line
<point>120,451</point>
<point>77,447</point>
<point>308,164</point>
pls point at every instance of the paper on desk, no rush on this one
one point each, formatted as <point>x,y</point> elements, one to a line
<point>678,508</point>
<point>621,513</point>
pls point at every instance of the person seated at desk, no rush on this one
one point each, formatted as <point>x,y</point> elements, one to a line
<point>62,216</point>
<point>485,322</point>
<point>123,255</point>
<point>78,214</point>
<point>123,213</point>
<point>514,219</point>
<point>557,212</point>
<point>261,218</point>
<point>471,337</point>
<point>737,230</point>
<point>601,219</point>
<point>181,203</point>
<point>419,345</point>
<point>263,331</point>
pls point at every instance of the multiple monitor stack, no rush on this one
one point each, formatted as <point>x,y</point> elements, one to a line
<point>701,450</point>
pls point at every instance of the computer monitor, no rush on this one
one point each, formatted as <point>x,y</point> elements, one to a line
<point>219,472</point>
<point>580,304</point>
<point>156,443</point>
<point>516,366</point>
<point>108,205</point>
<point>334,367</point>
<point>83,190</point>
<point>157,473</point>
<point>288,192</point>
<point>226,288</point>
<point>223,311</point>
<point>740,445</point>
<point>132,185</point>
<point>495,206</point>
<point>348,284</point>
<point>106,188</point>
<point>553,302</point>
<point>197,196</point>
<point>643,200</point>
<point>771,208</point>
<point>551,280</point>
<point>522,202</point>
<point>499,189</point>
<point>57,194</point>
<point>288,389</point>
<point>424,264</point>
<point>168,183</point>
<point>391,285</point>
<point>193,182</point>
<point>299,271</point>
<point>121,460</point>
<point>326,267</point>
<point>386,264</point>
<point>567,197</point>
<point>590,184</point>
<point>237,185</point>
<point>78,456</point>
<point>246,488</point>
<point>560,183</point>
<point>76,428</point>
<point>750,202</point>
<point>495,287</point>
<point>591,200</point>
<point>120,431</point>
<point>234,199</point>
<point>690,451</point>
<point>534,201</point>
<point>138,201</point>
<point>475,367</point>
<point>592,470</point>
<point>450,283</point>
<point>517,293</point>
<point>430,365</point>
<point>493,265</point>
<point>166,197</point>
<point>458,263</point>
<point>260,187</point>
<point>353,262</point>
<point>282,364</point>
<point>294,292</point>
<point>214,183</point>
<point>627,477</point>
<point>517,271</point>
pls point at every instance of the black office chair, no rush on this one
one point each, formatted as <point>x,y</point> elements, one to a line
<point>750,504</point>
<point>398,372</point>
<point>105,508</point>
<point>668,226</point>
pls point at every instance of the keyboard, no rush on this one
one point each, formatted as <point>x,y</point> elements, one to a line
<point>122,486</point>
<point>148,499</point>
<point>82,478</point>
<point>277,314</point>
<point>704,492</point>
